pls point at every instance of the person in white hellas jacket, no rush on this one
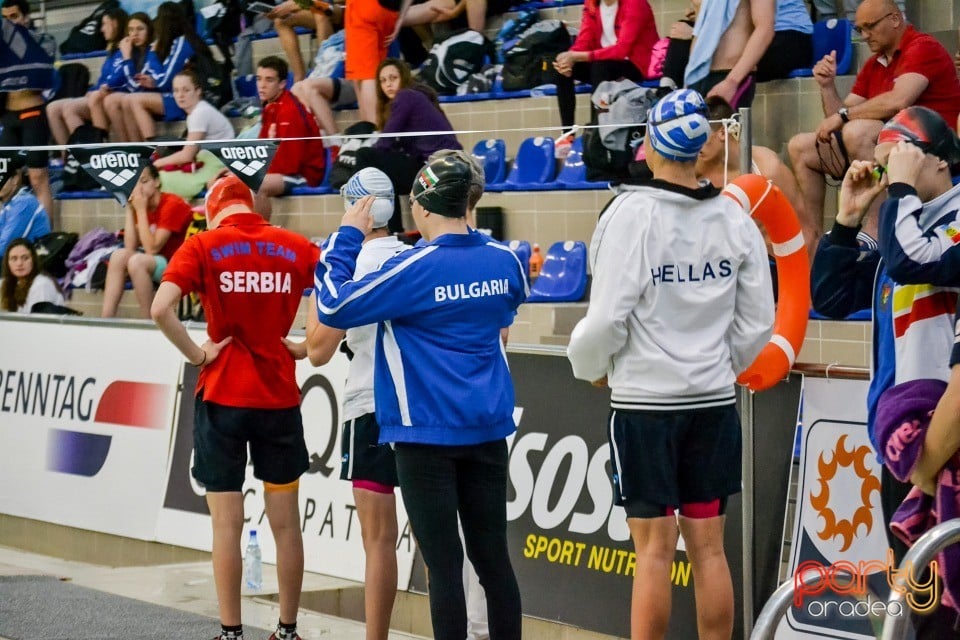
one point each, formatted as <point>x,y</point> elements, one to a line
<point>681,301</point>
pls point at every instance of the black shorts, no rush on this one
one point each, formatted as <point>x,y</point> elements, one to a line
<point>743,96</point>
<point>674,458</point>
<point>221,435</point>
<point>362,455</point>
<point>27,128</point>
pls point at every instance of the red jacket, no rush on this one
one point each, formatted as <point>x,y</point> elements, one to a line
<point>285,117</point>
<point>634,26</point>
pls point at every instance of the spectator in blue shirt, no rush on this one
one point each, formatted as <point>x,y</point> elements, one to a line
<point>22,215</point>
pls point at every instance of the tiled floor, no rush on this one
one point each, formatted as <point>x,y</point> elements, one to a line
<point>188,587</point>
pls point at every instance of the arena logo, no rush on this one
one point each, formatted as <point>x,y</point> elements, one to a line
<point>123,403</point>
<point>127,165</point>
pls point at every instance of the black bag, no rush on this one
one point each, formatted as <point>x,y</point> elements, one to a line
<point>52,308</point>
<point>53,249</point>
<point>75,178</point>
<point>452,60</point>
<point>189,307</point>
<point>86,37</point>
<point>603,164</point>
<point>215,78</point>
<point>74,81</point>
<point>529,63</point>
<point>346,164</point>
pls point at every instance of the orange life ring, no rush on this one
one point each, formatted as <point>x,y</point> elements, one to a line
<point>764,202</point>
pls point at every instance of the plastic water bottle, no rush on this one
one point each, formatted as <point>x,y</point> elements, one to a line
<point>252,563</point>
<point>536,262</point>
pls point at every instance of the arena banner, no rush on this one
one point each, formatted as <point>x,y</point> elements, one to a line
<point>85,419</point>
<point>331,528</point>
<point>839,522</point>
<point>117,170</point>
<point>247,159</point>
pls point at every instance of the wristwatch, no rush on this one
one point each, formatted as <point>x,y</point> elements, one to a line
<point>844,114</point>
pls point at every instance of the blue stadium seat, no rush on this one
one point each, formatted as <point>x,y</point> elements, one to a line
<point>563,277</point>
<point>534,167</point>
<point>573,173</point>
<point>492,156</point>
<point>830,35</point>
<point>522,249</point>
<point>99,194</point>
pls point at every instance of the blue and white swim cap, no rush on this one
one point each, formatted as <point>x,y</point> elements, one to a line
<point>371,182</point>
<point>678,125</point>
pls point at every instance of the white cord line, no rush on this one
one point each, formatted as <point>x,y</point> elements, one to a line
<point>406,134</point>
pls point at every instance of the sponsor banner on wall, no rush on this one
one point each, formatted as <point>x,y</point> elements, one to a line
<point>85,424</point>
<point>569,545</point>
<point>839,521</point>
<point>331,528</point>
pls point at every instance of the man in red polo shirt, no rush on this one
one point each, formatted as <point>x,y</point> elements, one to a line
<point>250,277</point>
<point>908,68</point>
<point>298,162</point>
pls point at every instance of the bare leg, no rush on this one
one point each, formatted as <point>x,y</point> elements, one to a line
<point>272,186</point>
<point>98,114</point>
<point>113,108</point>
<point>140,109</point>
<point>367,99</point>
<point>226,516</point>
<point>655,541</point>
<point>807,167</point>
<point>140,266</point>
<point>116,278</point>
<point>712,585</point>
<point>40,183</point>
<point>378,526</point>
<point>291,43</point>
<point>476,14</point>
<point>316,93</point>
<point>284,514</point>
<point>58,128</point>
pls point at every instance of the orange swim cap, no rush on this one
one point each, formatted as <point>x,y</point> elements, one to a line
<point>227,191</point>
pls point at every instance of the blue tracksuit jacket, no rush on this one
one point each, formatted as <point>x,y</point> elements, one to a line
<point>440,371</point>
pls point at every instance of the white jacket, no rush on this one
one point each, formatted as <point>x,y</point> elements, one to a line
<point>681,299</point>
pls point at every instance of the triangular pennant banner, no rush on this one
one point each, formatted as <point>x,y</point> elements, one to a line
<point>23,62</point>
<point>248,159</point>
<point>10,163</point>
<point>116,169</point>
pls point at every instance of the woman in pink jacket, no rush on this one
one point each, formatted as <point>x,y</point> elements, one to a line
<point>615,41</point>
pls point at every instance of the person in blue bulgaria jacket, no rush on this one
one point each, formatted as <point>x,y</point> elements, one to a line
<point>442,387</point>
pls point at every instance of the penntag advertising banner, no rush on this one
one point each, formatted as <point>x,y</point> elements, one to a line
<point>328,515</point>
<point>839,519</point>
<point>85,427</point>
<point>247,159</point>
<point>23,62</point>
<point>117,170</point>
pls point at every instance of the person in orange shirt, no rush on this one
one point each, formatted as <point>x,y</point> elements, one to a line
<point>155,226</point>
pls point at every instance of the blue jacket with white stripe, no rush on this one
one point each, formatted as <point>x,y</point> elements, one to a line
<point>441,374</point>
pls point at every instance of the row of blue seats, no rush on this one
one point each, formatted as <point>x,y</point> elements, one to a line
<point>534,168</point>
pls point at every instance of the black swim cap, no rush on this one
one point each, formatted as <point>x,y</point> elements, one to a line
<point>443,187</point>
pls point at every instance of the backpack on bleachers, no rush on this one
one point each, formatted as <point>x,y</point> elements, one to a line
<point>74,81</point>
<point>452,60</point>
<point>189,307</point>
<point>609,149</point>
<point>529,63</point>
<point>53,249</point>
<point>215,78</point>
<point>75,178</point>
<point>85,37</point>
<point>346,164</point>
